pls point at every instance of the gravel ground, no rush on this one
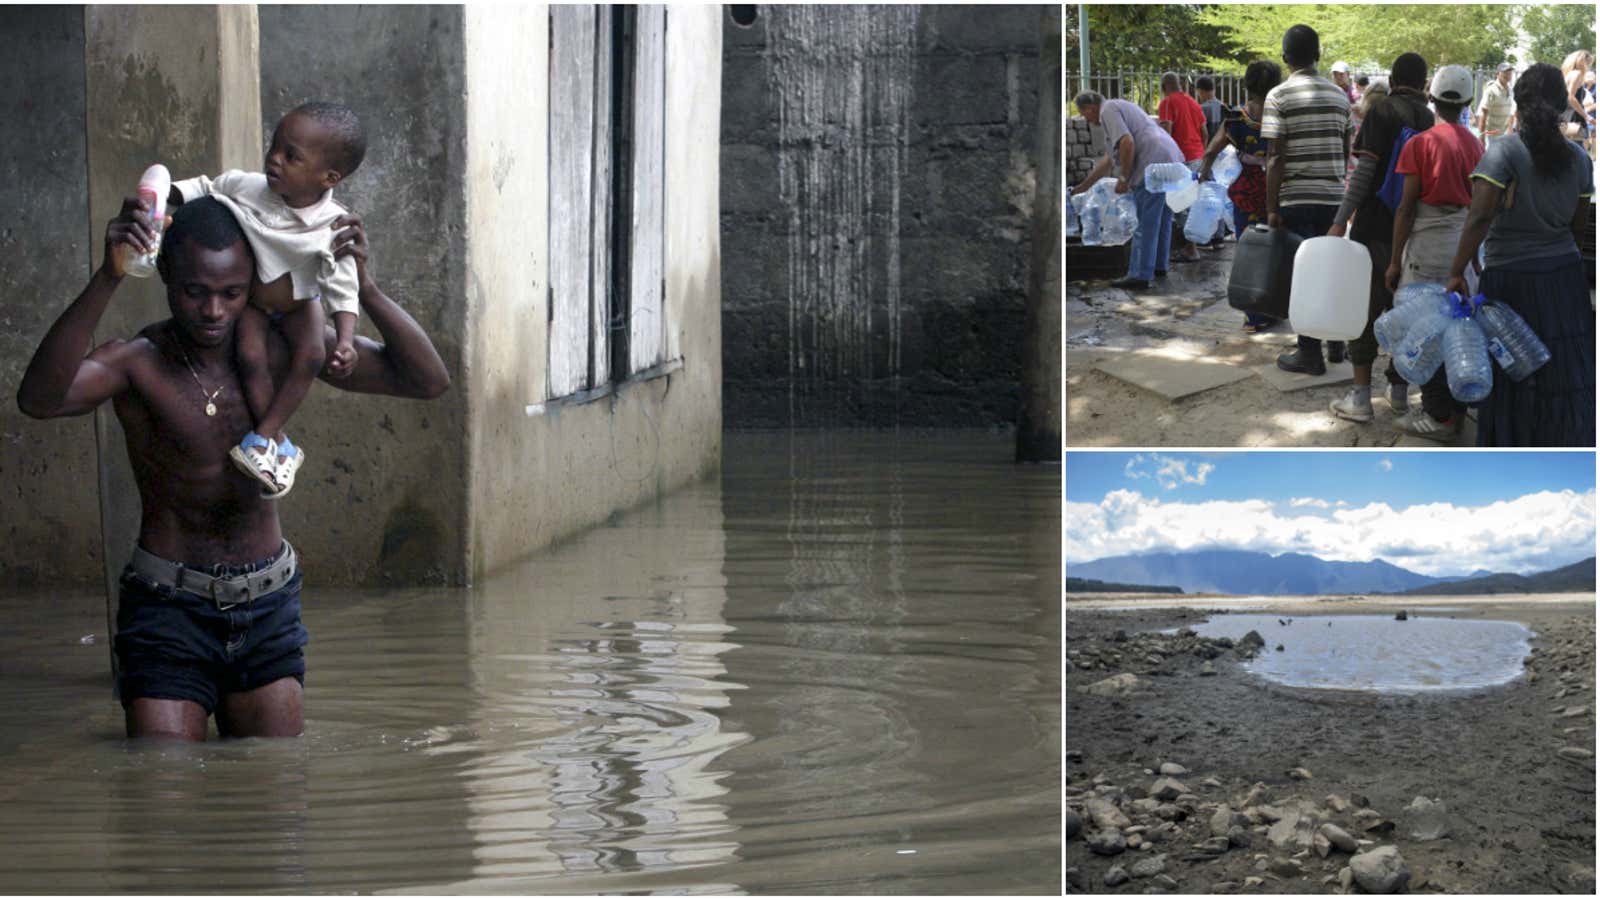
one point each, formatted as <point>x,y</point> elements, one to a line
<point>1267,767</point>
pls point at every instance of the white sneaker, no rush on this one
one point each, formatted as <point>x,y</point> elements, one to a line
<point>1355,405</point>
<point>1418,422</point>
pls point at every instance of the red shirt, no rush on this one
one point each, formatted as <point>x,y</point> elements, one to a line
<point>1443,157</point>
<point>1188,123</point>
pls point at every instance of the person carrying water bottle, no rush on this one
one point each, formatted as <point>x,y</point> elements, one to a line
<point>1134,142</point>
<point>1527,203</point>
<point>1242,128</point>
<point>1427,227</point>
<point>1180,115</point>
<point>1306,121</point>
<point>1405,107</point>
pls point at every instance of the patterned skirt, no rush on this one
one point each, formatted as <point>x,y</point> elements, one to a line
<point>1553,407</point>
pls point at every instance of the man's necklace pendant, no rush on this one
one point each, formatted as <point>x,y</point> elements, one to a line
<point>211,408</point>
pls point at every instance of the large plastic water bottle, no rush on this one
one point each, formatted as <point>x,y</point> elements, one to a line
<point>1120,220</point>
<point>1466,360</point>
<point>1411,303</point>
<point>1205,213</point>
<point>154,185</point>
<point>1070,226</point>
<point>1184,197</point>
<point>1161,178</point>
<point>1227,167</point>
<point>1510,341</point>
<point>1088,218</point>
<point>1418,355</point>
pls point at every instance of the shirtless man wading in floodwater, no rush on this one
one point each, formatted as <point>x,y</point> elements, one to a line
<point>220,632</point>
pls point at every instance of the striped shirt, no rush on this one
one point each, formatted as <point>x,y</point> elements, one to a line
<point>1311,115</point>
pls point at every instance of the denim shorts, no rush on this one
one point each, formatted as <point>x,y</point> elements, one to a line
<point>175,645</point>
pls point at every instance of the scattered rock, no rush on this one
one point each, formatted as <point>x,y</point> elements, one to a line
<point>1107,842</point>
<point>1336,803</point>
<point>1074,824</point>
<point>1337,837</point>
<point>1426,820</point>
<point>1286,868</point>
<point>1149,867</point>
<point>1249,645</point>
<point>1299,774</point>
<point>1281,834</point>
<point>1400,616</point>
<point>1135,841</point>
<point>1154,659</point>
<point>1346,878</point>
<point>1075,756</point>
<point>1168,812</point>
<point>1279,648</point>
<point>1104,814</point>
<point>1225,887</point>
<point>1167,789</point>
<point>1172,768</point>
<point>1206,669</point>
<point>1119,636</point>
<point>1380,871</point>
<point>1211,782</point>
<point>1320,843</point>
<point>1572,712</point>
<point>1224,819</point>
<point>1254,881</point>
<point>1166,881</point>
<point>1115,875</point>
<point>1115,686</point>
<point>1575,753</point>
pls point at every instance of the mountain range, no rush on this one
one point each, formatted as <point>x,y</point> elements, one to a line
<point>1246,572</point>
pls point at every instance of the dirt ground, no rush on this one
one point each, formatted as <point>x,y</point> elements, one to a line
<point>1186,315</point>
<point>1521,814</point>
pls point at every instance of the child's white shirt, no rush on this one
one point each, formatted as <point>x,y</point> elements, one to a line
<point>285,240</point>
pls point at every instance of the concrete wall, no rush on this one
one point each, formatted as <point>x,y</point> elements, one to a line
<point>877,207</point>
<point>384,495</point>
<point>1039,425</point>
<point>1084,146</point>
<point>535,479</point>
<point>50,527</point>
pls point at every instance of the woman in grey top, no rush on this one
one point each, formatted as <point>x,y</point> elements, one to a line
<point>1528,197</point>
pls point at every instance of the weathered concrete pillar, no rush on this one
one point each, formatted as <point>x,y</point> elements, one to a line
<point>175,85</point>
<point>1039,425</point>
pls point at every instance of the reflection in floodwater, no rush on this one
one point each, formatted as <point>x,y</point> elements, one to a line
<point>1378,653</point>
<point>833,670</point>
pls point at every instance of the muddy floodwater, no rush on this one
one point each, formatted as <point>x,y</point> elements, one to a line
<point>835,668</point>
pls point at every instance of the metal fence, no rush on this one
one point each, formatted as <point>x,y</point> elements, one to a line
<point>1144,87</point>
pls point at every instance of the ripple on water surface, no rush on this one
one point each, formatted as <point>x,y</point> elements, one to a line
<point>835,669</point>
<point>1380,653</point>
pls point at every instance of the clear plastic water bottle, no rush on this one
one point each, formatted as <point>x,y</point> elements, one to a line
<point>1417,356</point>
<point>1203,216</point>
<point>1510,341</point>
<point>1466,360</point>
<point>1227,166</point>
<point>1184,197</point>
<point>1088,218</point>
<point>1070,227</point>
<point>1160,178</point>
<point>154,186</point>
<point>1120,221</point>
<point>1411,303</point>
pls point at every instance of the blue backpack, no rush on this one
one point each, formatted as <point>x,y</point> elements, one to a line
<point>1394,184</point>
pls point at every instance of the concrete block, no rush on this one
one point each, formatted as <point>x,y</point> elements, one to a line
<point>960,90</point>
<point>1172,378</point>
<point>982,27</point>
<point>1294,381</point>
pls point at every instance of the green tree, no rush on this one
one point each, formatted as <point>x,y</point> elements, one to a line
<point>1554,31</point>
<point>1370,37</point>
<point>1151,38</point>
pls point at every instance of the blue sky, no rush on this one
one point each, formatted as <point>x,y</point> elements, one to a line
<point>1354,476</point>
<point>1437,513</point>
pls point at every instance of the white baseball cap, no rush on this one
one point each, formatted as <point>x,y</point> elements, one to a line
<point>1341,66</point>
<point>1453,84</point>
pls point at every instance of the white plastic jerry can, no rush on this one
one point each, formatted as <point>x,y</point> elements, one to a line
<point>1329,295</point>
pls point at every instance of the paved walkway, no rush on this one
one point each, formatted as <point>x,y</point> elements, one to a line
<point>1172,366</point>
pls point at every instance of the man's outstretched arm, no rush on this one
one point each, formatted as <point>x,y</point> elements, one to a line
<point>64,378</point>
<point>405,364</point>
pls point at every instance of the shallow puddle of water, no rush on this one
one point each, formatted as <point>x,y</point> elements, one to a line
<point>834,669</point>
<point>1379,653</point>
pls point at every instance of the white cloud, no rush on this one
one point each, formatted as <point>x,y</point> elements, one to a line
<point>1168,471</point>
<point>1309,501</point>
<point>1525,534</point>
<point>1384,465</point>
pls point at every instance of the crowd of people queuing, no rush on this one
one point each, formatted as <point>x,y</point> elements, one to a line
<point>1485,200</point>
